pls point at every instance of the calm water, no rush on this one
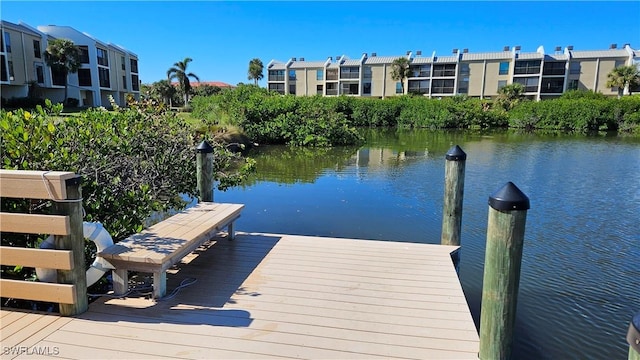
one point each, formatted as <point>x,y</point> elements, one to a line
<point>580,280</point>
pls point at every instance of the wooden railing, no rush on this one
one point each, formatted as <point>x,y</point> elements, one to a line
<point>63,188</point>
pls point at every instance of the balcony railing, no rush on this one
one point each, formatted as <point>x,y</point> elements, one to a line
<point>276,77</point>
<point>443,73</point>
<point>349,75</point>
<point>332,91</point>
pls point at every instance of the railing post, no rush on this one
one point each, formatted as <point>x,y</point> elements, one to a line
<point>505,236</point>
<point>453,193</point>
<point>633,338</point>
<point>75,243</point>
<point>204,164</point>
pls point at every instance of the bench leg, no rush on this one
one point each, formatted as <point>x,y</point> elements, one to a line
<point>159,284</point>
<point>120,281</point>
<point>230,233</point>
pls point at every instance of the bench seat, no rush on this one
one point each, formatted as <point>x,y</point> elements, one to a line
<point>162,245</point>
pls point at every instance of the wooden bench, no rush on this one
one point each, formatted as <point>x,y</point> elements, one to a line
<point>162,245</point>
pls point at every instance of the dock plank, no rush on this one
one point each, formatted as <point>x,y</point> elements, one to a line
<point>279,296</point>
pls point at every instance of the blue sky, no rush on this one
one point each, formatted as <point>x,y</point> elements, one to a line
<point>222,37</point>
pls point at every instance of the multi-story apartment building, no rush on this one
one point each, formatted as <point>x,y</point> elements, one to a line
<point>461,73</point>
<point>106,69</point>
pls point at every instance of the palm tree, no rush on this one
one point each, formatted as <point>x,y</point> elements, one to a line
<point>255,70</point>
<point>163,90</point>
<point>179,71</point>
<point>624,77</point>
<point>400,70</point>
<point>510,95</point>
<point>63,56</point>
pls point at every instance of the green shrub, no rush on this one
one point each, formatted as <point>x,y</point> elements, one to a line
<point>132,162</point>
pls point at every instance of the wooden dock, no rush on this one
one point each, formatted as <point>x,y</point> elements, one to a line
<point>273,296</point>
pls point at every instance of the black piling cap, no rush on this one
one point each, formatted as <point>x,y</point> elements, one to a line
<point>509,197</point>
<point>456,154</point>
<point>204,147</point>
<point>633,336</point>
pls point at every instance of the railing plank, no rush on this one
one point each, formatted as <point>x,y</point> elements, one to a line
<point>34,224</point>
<point>29,290</point>
<point>40,258</point>
<point>31,185</point>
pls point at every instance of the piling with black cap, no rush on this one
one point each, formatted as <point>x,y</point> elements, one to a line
<point>505,236</point>
<point>633,338</point>
<point>453,194</point>
<point>204,171</point>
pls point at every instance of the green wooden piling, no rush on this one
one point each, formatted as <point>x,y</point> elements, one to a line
<point>74,242</point>
<point>453,194</point>
<point>204,169</point>
<point>633,338</point>
<point>505,235</point>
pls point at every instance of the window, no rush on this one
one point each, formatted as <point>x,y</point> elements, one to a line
<point>463,87</point>
<point>134,65</point>
<point>464,69</point>
<point>527,67</point>
<point>552,85</point>
<point>319,90</point>
<point>419,86</point>
<point>367,72</point>
<point>11,74</point>
<point>444,70</point>
<point>350,88</point>
<point>332,74</point>
<point>124,81</point>
<point>103,57</point>
<point>501,84</point>
<point>276,75</point>
<point>277,88</point>
<point>319,74</point>
<point>553,68</point>
<point>103,76</point>
<point>366,88</point>
<point>619,63</point>
<point>292,89</point>
<point>573,85</point>
<point>398,87</point>
<point>530,83</point>
<point>442,86</point>
<point>504,68</point>
<point>36,49</point>
<point>58,77</point>
<point>122,62</point>
<point>7,42</point>
<point>352,72</point>
<point>84,54</point>
<point>3,75</point>
<point>84,77</point>
<point>575,68</point>
<point>40,73</point>
<point>420,70</point>
<point>135,83</point>
<point>292,74</point>
<point>332,88</point>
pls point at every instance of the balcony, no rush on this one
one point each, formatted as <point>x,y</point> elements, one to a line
<point>276,77</point>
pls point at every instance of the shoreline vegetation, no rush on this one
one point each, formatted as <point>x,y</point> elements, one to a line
<point>270,118</point>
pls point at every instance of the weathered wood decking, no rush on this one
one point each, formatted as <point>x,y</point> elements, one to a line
<point>274,296</point>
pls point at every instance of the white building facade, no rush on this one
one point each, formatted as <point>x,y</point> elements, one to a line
<point>106,69</point>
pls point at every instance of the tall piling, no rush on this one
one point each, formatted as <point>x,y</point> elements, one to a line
<point>505,237</point>
<point>633,338</point>
<point>204,171</point>
<point>453,194</point>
